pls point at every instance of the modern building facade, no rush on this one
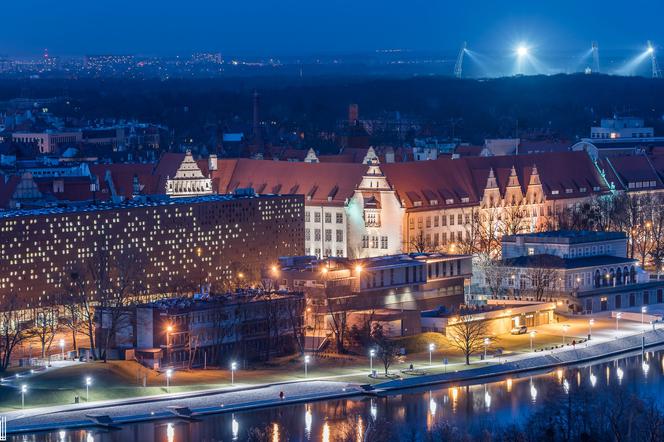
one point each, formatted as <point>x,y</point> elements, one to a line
<point>174,241</point>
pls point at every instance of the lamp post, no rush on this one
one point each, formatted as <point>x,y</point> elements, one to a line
<point>62,349</point>
<point>486,344</point>
<point>532,335</point>
<point>590,327</point>
<point>618,316</point>
<point>169,373</point>
<point>565,328</point>
<point>372,353</point>
<point>431,347</point>
<point>88,381</point>
<point>233,368</point>
<point>307,358</point>
<point>644,309</point>
<point>24,389</point>
<point>169,330</point>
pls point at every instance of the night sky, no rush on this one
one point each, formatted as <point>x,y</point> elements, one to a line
<point>288,27</point>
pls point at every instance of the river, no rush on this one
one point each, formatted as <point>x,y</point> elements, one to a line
<point>409,413</point>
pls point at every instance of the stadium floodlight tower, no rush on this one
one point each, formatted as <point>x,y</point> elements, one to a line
<point>458,66</point>
<point>656,73</point>
<point>595,50</point>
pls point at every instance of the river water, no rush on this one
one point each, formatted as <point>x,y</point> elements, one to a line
<point>409,413</point>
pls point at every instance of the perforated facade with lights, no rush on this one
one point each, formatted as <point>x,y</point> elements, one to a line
<point>175,241</point>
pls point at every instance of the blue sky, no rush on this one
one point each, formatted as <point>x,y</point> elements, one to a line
<point>77,27</point>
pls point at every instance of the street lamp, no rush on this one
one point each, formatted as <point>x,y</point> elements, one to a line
<point>233,368</point>
<point>169,373</point>
<point>372,353</point>
<point>532,336</point>
<point>62,349</point>
<point>88,381</point>
<point>486,344</point>
<point>169,330</point>
<point>565,328</point>
<point>643,310</point>
<point>618,316</point>
<point>24,389</point>
<point>590,328</point>
<point>307,358</point>
<point>431,347</point>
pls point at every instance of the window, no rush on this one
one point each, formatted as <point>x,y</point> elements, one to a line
<point>340,252</point>
<point>428,222</point>
<point>451,220</point>
<point>459,219</point>
<point>328,218</point>
<point>328,235</point>
<point>467,219</point>
<point>317,217</point>
<point>317,235</point>
<point>365,241</point>
<point>435,221</point>
<point>307,234</point>
<point>419,222</point>
<point>531,251</point>
<point>340,218</point>
<point>436,239</point>
<point>459,236</point>
<point>374,242</point>
<point>317,252</point>
<point>411,223</point>
<point>444,237</point>
<point>443,220</point>
<point>383,242</point>
<point>340,235</point>
<point>307,216</point>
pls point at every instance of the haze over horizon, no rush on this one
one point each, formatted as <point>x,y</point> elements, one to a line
<point>296,27</point>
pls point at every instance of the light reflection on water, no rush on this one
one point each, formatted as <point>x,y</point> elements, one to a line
<point>504,401</point>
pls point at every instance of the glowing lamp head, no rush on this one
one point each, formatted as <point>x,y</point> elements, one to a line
<point>522,51</point>
<point>358,269</point>
<point>372,352</point>
<point>650,50</point>
<point>169,373</point>
<point>88,380</point>
<point>24,388</point>
<point>233,365</point>
<point>431,347</point>
<point>307,359</point>
<point>169,328</point>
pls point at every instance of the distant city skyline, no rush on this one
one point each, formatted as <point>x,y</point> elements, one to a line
<point>295,27</point>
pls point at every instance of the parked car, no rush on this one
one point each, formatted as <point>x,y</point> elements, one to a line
<point>519,330</point>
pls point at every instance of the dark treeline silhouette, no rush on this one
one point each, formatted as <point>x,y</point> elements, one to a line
<point>564,105</point>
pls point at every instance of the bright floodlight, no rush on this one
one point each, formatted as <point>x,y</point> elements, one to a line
<point>650,49</point>
<point>522,51</point>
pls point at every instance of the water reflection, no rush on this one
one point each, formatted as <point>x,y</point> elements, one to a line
<point>502,402</point>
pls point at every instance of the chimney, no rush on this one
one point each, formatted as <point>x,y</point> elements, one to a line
<point>212,162</point>
<point>353,114</point>
<point>58,186</point>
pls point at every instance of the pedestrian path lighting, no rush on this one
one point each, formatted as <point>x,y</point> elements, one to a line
<point>233,368</point>
<point>618,316</point>
<point>590,328</point>
<point>486,344</point>
<point>532,336</point>
<point>24,389</point>
<point>644,309</point>
<point>565,328</point>
<point>307,359</point>
<point>169,373</point>
<point>62,349</point>
<point>372,353</point>
<point>431,347</point>
<point>88,381</point>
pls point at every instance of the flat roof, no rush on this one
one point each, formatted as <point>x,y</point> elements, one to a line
<point>566,236</point>
<point>556,262</point>
<point>147,201</point>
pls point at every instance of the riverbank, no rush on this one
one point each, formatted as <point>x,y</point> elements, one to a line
<point>243,398</point>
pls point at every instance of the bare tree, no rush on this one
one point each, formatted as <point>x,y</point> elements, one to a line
<point>72,319</point>
<point>542,276</point>
<point>46,326</point>
<point>467,335</point>
<point>420,243</point>
<point>387,350</point>
<point>494,275</point>
<point>14,329</point>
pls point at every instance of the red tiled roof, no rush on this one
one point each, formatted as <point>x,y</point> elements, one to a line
<point>123,179</point>
<point>321,183</point>
<point>467,177</point>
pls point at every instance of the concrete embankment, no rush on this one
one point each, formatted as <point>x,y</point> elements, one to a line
<point>202,403</point>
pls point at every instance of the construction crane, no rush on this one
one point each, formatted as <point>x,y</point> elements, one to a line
<point>656,73</point>
<point>595,49</point>
<point>458,66</point>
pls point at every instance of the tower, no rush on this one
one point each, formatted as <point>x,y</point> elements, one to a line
<point>458,66</point>
<point>656,73</point>
<point>595,49</point>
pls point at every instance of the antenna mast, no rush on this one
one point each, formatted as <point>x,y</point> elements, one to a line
<point>656,73</point>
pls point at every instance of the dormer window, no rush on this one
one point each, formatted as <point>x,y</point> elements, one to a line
<point>417,203</point>
<point>433,202</point>
<point>449,201</point>
<point>465,199</point>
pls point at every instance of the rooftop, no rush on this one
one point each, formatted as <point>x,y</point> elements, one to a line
<point>151,201</point>
<point>566,236</point>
